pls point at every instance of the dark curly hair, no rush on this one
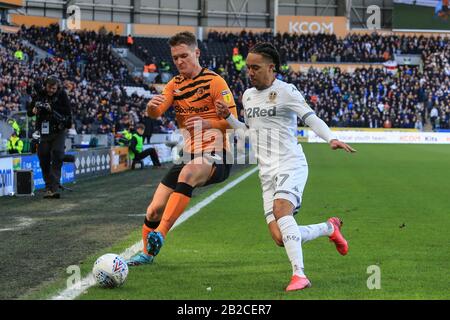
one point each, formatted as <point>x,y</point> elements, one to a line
<point>267,50</point>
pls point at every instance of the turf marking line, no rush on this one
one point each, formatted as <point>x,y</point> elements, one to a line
<point>23,223</point>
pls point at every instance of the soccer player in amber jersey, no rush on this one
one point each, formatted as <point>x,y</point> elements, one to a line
<point>193,93</point>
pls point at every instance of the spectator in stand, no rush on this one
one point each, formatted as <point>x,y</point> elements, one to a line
<point>130,41</point>
<point>434,115</point>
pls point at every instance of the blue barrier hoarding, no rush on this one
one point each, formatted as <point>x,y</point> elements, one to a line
<point>32,163</point>
<point>6,176</point>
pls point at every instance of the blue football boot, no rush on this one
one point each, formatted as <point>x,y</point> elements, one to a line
<point>155,240</point>
<point>140,259</point>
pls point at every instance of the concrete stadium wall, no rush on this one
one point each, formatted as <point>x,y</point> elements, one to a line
<point>159,30</point>
<point>28,21</point>
<point>236,29</point>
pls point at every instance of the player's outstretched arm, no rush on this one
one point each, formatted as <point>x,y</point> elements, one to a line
<point>223,112</point>
<point>322,130</point>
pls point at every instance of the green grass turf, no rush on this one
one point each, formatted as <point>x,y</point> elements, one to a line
<point>395,203</point>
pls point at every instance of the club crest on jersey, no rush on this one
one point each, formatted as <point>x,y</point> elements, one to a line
<point>226,96</point>
<point>200,92</point>
<point>272,96</point>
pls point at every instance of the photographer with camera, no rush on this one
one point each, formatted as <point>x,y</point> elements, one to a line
<point>51,106</point>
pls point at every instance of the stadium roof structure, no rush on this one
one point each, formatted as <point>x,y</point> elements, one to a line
<point>11,4</point>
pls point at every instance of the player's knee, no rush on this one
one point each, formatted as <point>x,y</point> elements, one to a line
<point>280,212</point>
<point>155,211</point>
<point>282,208</point>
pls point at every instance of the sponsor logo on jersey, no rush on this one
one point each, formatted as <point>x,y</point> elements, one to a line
<point>180,110</point>
<point>257,112</point>
<point>227,96</point>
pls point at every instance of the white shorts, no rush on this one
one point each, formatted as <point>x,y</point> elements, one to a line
<point>285,184</point>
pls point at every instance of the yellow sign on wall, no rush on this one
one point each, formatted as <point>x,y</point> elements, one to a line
<point>119,159</point>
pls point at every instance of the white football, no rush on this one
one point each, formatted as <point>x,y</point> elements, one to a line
<point>110,270</point>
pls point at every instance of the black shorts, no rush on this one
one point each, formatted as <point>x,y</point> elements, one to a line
<point>221,173</point>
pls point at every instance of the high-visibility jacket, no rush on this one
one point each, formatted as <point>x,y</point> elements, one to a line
<point>130,40</point>
<point>18,55</point>
<point>139,145</point>
<point>126,137</point>
<point>240,65</point>
<point>285,68</point>
<point>237,58</point>
<point>15,145</point>
<point>15,126</point>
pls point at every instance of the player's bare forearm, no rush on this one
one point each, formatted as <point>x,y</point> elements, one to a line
<point>154,112</point>
<point>157,106</point>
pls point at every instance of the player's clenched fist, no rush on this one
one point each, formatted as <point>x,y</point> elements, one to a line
<point>156,101</point>
<point>222,109</point>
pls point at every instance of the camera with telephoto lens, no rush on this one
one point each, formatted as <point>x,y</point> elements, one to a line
<point>43,106</point>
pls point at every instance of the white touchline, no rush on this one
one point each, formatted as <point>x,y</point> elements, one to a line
<point>88,281</point>
<point>23,223</point>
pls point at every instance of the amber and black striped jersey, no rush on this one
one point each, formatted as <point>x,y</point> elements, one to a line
<point>195,97</point>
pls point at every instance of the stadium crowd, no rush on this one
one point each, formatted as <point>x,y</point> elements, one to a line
<point>329,48</point>
<point>369,97</point>
<point>92,76</point>
<point>95,78</point>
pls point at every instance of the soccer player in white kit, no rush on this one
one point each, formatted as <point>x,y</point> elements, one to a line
<point>271,110</point>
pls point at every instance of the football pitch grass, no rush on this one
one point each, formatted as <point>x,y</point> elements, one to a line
<point>395,203</point>
<point>394,200</point>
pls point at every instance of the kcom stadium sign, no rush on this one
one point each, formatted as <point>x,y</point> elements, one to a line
<point>314,25</point>
<point>311,27</point>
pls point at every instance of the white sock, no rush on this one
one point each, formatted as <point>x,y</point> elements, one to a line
<point>313,231</point>
<point>292,240</point>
